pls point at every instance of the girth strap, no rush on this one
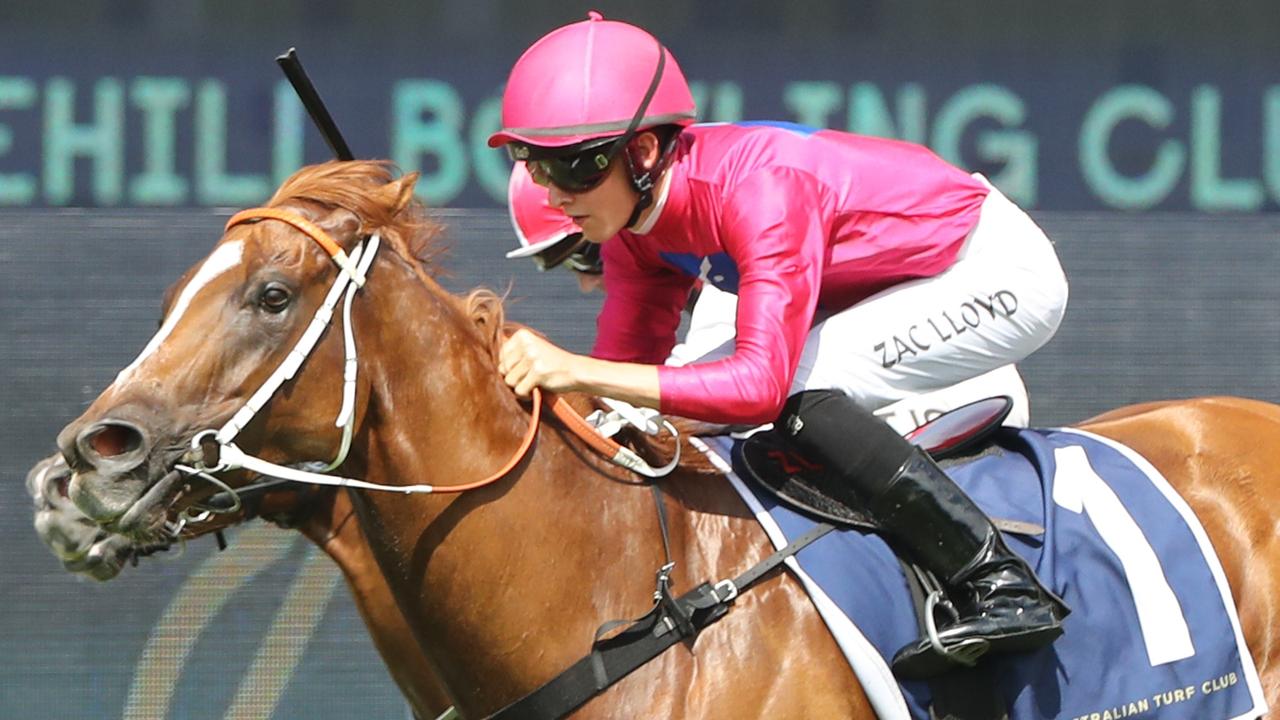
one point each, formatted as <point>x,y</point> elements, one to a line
<point>615,657</point>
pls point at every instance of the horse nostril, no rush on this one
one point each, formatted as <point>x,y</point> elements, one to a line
<point>112,440</point>
<point>114,446</point>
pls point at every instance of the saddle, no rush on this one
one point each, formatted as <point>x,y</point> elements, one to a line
<point>766,459</point>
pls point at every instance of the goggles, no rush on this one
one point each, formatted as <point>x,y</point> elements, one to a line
<point>575,172</point>
<point>575,252</point>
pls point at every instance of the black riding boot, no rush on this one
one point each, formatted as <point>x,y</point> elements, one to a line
<point>996,593</point>
<point>1001,605</point>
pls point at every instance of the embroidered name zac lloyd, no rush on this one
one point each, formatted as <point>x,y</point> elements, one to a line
<point>918,337</point>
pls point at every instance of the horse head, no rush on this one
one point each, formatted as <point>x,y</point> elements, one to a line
<point>229,322</point>
<point>324,514</point>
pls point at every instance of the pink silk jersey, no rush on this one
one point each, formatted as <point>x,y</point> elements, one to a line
<point>793,220</point>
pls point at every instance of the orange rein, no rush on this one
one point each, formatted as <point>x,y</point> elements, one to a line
<point>580,427</point>
<point>523,450</point>
<point>567,415</point>
<point>559,406</point>
<point>572,420</point>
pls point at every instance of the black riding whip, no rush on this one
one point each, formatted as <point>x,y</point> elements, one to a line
<point>293,70</point>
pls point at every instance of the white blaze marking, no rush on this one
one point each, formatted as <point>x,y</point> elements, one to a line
<point>224,258</point>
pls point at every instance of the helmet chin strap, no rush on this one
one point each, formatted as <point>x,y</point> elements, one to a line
<point>644,181</point>
<point>645,200</point>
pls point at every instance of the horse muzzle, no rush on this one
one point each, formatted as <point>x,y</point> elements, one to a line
<point>81,545</point>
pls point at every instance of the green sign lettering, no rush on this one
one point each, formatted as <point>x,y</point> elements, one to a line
<point>869,112</point>
<point>288,136</point>
<point>493,170</point>
<point>717,102</point>
<point>159,99</point>
<point>214,185</point>
<point>102,141</point>
<point>811,103</point>
<point>439,135</point>
<point>1209,190</point>
<point>16,93</point>
<point>1271,141</point>
<point>1142,103</point>
<point>1017,149</point>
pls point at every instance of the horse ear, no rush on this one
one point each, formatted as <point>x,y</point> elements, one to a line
<point>402,191</point>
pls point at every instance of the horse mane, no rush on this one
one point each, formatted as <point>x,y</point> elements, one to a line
<point>353,185</point>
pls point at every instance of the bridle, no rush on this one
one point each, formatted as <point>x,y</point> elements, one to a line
<point>216,451</point>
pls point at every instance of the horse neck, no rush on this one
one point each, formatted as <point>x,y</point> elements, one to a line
<point>564,530</point>
<point>334,528</point>
<point>438,409</point>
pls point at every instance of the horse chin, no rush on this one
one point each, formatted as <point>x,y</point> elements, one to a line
<point>104,560</point>
<point>68,538</point>
<point>102,572</point>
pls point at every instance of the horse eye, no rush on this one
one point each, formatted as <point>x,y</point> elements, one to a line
<point>275,298</point>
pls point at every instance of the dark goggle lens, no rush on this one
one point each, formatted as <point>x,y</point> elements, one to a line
<point>586,259</point>
<point>578,172</point>
<point>573,250</point>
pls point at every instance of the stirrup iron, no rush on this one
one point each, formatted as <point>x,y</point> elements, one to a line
<point>964,652</point>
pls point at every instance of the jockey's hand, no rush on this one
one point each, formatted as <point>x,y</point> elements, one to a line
<point>528,360</point>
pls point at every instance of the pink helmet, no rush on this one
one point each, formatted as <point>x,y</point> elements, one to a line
<point>537,224</point>
<point>587,81</point>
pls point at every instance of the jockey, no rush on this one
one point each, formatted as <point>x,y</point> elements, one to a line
<point>866,270</point>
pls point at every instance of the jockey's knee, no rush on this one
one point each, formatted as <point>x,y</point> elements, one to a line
<point>830,427</point>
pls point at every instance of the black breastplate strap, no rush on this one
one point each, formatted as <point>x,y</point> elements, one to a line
<point>669,622</point>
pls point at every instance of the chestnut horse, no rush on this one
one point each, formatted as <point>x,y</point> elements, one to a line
<point>504,585</point>
<point>325,516</point>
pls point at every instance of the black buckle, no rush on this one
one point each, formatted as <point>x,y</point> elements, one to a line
<point>674,617</point>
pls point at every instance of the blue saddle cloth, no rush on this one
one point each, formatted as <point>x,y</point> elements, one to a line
<point>1153,632</point>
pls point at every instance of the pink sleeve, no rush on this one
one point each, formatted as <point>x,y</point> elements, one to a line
<point>641,310</point>
<point>773,227</point>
